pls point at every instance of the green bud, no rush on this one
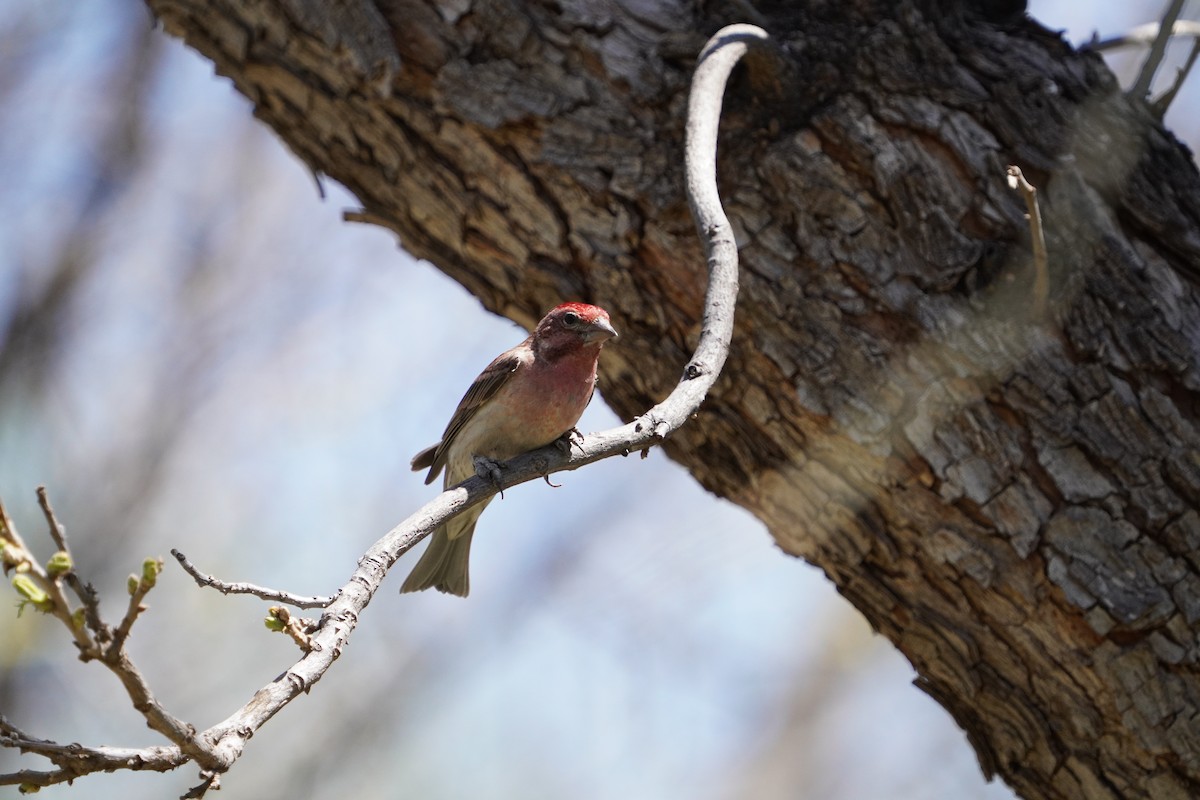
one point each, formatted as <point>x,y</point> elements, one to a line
<point>151,568</point>
<point>275,619</point>
<point>78,619</point>
<point>59,564</point>
<point>32,593</point>
<point>29,788</point>
<point>131,584</point>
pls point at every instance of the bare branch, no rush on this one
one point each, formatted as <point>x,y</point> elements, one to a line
<point>341,616</point>
<point>76,760</point>
<point>88,599</point>
<point>7,529</point>
<point>1164,100</point>
<point>17,556</point>
<point>1041,273</point>
<point>1146,34</point>
<point>276,595</point>
<point>56,529</point>
<point>209,780</point>
<point>1149,34</point>
<point>139,587</point>
<point>217,748</point>
<point>107,647</point>
<point>1141,87</point>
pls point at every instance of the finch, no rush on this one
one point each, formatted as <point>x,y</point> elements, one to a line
<point>526,398</point>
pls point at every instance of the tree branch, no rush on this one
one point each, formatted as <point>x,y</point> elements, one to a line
<point>203,579</point>
<point>1144,35</point>
<point>31,574</point>
<point>217,748</point>
<point>1141,87</point>
<point>341,616</point>
<point>88,599</point>
<point>1151,34</point>
<point>75,760</point>
<point>1041,273</point>
<point>42,588</point>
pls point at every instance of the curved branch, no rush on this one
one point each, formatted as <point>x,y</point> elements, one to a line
<point>217,748</point>
<point>717,60</point>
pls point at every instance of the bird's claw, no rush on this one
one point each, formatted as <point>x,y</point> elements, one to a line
<point>489,470</point>
<point>550,483</point>
<point>571,437</point>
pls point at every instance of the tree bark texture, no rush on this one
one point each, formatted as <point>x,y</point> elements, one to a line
<point>1011,499</point>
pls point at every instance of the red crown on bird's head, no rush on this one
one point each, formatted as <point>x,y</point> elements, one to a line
<point>586,311</point>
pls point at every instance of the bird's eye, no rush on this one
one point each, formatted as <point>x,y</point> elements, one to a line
<point>571,318</point>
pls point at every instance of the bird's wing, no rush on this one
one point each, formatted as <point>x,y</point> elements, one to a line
<point>495,375</point>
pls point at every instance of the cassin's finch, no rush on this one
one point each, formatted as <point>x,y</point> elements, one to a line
<point>527,397</point>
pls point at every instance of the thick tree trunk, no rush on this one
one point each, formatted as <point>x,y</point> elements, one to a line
<point>1010,498</point>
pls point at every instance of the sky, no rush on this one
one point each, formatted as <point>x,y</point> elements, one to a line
<point>241,374</point>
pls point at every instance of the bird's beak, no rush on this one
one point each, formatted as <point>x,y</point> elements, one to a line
<point>600,331</point>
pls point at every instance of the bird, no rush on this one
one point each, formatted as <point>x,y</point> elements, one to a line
<point>528,397</point>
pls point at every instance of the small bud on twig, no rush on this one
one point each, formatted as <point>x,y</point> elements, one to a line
<point>276,619</point>
<point>151,568</point>
<point>31,593</point>
<point>59,564</point>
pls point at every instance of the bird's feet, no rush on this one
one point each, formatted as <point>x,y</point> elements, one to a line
<point>563,445</point>
<point>489,470</point>
<point>571,437</point>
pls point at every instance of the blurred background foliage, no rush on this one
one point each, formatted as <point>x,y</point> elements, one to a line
<point>196,352</point>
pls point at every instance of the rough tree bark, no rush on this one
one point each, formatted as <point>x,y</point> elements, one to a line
<point>1010,499</point>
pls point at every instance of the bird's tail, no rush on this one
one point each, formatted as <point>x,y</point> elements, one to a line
<point>444,564</point>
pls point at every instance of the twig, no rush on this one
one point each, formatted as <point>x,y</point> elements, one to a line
<point>1041,273</point>
<point>9,533</point>
<point>18,556</point>
<point>107,647</point>
<point>1147,34</point>
<point>87,596</point>
<point>157,717</point>
<point>139,587</point>
<point>1164,100</point>
<point>208,780</point>
<point>1141,87</point>
<point>56,529</point>
<point>75,760</point>
<point>206,580</point>
<point>1144,35</point>
<point>298,628</point>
